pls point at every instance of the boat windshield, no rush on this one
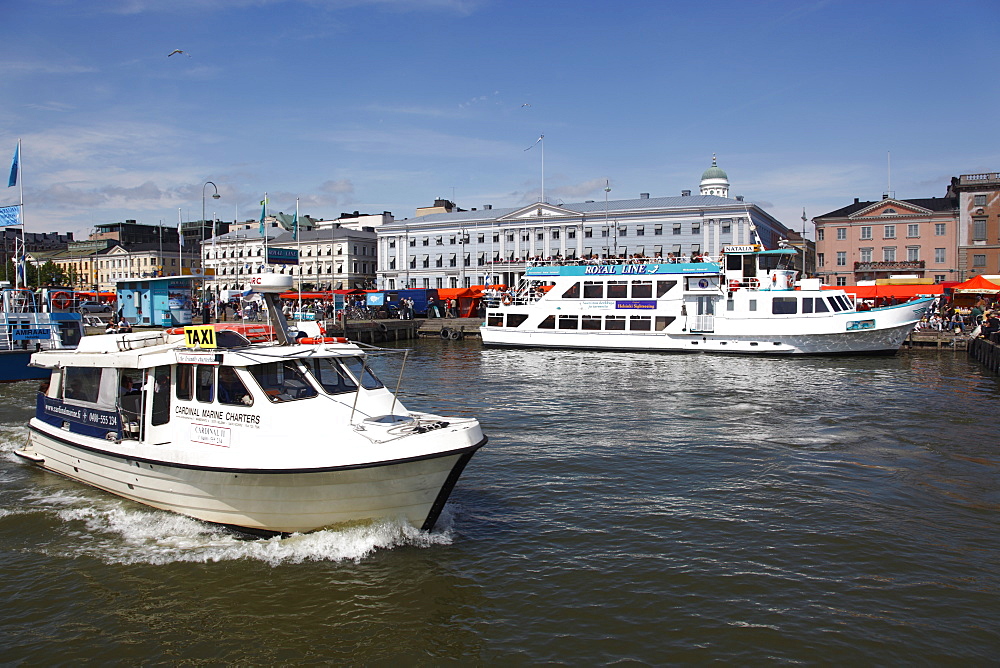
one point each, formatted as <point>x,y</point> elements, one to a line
<point>332,375</point>
<point>282,381</point>
<point>359,369</point>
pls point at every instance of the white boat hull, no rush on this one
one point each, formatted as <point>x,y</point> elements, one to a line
<point>279,501</point>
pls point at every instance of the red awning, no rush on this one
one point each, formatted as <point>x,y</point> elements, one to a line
<point>897,291</point>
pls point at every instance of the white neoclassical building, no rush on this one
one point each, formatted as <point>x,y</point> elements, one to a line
<point>450,247</point>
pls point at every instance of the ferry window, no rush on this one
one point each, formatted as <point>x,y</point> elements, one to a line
<point>282,381</point>
<point>843,302</point>
<point>204,382</point>
<point>568,322</point>
<point>836,306</point>
<point>494,320</point>
<point>332,376</point>
<point>573,292</point>
<point>640,323</point>
<point>593,290</point>
<point>753,305</point>
<point>185,382</point>
<point>663,287</point>
<point>615,323</point>
<point>82,384</point>
<point>515,319</point>
<point>590,322</point>
<point>642,289</point>
<point>161,395</point>
<point>821,305</point>
<point>784,305</point>
<point>617,290</point>
<point>359,369</point>
<point>232,391</point>
<point>730,304</point>
<point>734,262</point>
<point>548,323</point>
<point>807,305</point>
<point>663,321</point>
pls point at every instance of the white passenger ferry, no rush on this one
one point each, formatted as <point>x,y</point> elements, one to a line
<point>747,302</point>
<point>285,434</point>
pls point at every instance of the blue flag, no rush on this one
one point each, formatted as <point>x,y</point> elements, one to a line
<point>295,226</point>
<point>263,210</point>
<point>10,215</point>
<point>14,166</point>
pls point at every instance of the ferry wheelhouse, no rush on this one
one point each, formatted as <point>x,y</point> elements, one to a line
<point>255,427</point>
<point>30,322</point>
<point>748,301</point>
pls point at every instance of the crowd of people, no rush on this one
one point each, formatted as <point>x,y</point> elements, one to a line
<point>982,319</point>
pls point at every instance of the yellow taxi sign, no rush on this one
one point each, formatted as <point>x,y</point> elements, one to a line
<point>199,336</point>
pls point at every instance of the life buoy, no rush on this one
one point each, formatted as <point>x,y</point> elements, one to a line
<point>734,285</point>
<point>507,300</point>
<point>175,330</point>
<point>61,299</point>
<point>322,339</point>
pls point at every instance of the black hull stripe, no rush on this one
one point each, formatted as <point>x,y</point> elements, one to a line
<point>449,484</point>
<point>467,453</point>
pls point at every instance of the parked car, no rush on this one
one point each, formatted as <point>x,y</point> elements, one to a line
<point>94,307</point>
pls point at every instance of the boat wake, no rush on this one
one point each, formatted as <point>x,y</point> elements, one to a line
<point>119,532</point>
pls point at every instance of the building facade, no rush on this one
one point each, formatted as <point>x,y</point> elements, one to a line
<point>866,241</point>
<point>450,247</point>
<point>979,223</point>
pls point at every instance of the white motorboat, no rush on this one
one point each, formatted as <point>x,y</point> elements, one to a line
<point>30,322</point>
<point>228,425</point>
<point>746,302</point>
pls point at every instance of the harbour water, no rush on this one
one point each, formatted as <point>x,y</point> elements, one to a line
<point>629,507</point>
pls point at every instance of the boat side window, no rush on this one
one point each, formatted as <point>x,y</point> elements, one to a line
<point>494,320</point>
<point>329,373</point>
<point>752,305</point>
<point>282,381</point>
<point>640,323</point>
<point>784,305</point>
<point>734,262</point>
<point>82,384</point>
<point>663,287</point>
<point>617,290</point>
<point>590,322</point>
<point>232,391</point>
<point>161,394</point>
<point>515,319</point>
<point>642,289</point>
<point>821,305</point>
<point>573,292</point>
<point>185,382</point>
<point>359,369</point>
<point>844,302</point>
<point>615,323</point>
<point>548,323</point>
<point>568,322</point>
<point>205,382</point>
<point>663,321</point>
<point>593,289</point>
<point>836,305</point>
<point>807,304</point>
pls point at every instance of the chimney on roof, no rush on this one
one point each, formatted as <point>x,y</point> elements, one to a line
<point>643,195</point>
<point>487,207</point>
<point>885,195</point>
<point>739,198</point>
<point>685,193</point>
<point>857,200</point>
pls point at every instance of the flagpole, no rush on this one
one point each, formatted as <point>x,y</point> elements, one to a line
<point>298,249</point>
<point>543,168</point>
<point>180,244</point>
<point>20,194</point>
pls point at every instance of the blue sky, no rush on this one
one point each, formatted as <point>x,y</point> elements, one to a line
<point>385,105</point>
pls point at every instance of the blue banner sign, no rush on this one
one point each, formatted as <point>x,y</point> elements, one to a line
<point>635,304</point>
<point>282,256</point>
<point>10,215</point>
<point>81,414</point>
<point>25,334</point>
<point>375,299</point>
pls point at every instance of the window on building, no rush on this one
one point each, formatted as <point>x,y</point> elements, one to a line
<point>588,232</point>
<point>979,200</point>
<point>978,260</point>
<point>820,234</point>
<point>425,241</point>
<point>658,230</point>
<point>912,230</point>
<point>866,232</point>
<point>939,255</point>
<point>623,232</point>
<point>979,229</point>
<point>939,278</point>
<point>555,234</point>
<point>571,233</point>
<point>540,236</point>
<point>841,258</point>
<point>889,254</point>
<point>820,259</point>
<point>727,226</point>
<point>677,228</point>
<point>939,229</point>
<point>889,232</point>
<point>912,253</point>
<point>841,234</point>
<point>841,280</point>
<point>640,231</point>
<point>865,254</point>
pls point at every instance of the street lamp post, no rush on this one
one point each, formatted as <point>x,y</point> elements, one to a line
<point>215,195</point>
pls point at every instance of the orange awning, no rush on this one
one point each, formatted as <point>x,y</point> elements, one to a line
<point>897,291</point>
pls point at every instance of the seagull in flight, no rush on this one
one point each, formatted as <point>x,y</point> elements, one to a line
<point>178,51</point>
<point>525,105</point>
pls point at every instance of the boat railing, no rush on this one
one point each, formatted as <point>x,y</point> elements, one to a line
<point>604,261</point>
<point>9,342</point>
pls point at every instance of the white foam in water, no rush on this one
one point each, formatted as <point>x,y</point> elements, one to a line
<point>124,535</point>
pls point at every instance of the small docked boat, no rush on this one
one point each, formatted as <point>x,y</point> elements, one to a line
<point>251,426</point>
<point>30,322</point>
<point>746,302</point>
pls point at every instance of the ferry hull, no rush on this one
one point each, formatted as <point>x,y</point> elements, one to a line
<point>14,367</point>
<point>281,501</point>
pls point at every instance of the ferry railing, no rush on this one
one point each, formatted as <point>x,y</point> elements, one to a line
<point>574,262</point>
<point>8,342</point>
